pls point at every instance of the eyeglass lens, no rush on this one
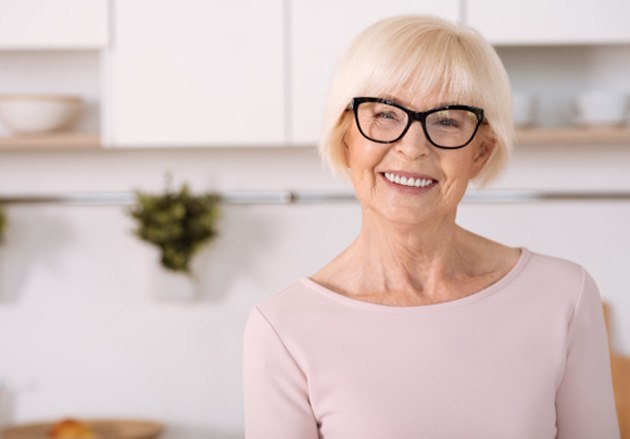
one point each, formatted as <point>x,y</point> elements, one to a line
<point>448,128</point>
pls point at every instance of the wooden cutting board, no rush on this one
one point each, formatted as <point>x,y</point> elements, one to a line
<point>620,367</point>
<point>102,429</point>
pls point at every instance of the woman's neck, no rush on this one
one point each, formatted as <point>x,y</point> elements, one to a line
<point>423,241</point>
<point>402,263</point>
<point>412,258</point>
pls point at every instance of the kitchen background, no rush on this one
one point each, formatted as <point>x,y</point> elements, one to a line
<point>227,96</point>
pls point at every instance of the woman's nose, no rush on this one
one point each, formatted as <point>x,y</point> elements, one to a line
<point>414,143</point>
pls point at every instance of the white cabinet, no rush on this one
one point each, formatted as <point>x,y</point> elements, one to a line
<point>320,30</point>
<point>519,22</point>
<point>53,24</point>
<point>195,73</point>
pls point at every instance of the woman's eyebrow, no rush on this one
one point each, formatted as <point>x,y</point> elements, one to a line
<point>410,106</point>
<point>397,101</point>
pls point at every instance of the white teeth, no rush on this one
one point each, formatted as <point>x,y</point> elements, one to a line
<point>408,181</point>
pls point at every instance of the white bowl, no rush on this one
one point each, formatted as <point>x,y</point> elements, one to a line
<point>523,108</point>
<point>37,114</point>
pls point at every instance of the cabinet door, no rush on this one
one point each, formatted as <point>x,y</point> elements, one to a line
<point>53,24</point>
<point>514,22</point>
<point>320,30</point>
<point>195,73</point>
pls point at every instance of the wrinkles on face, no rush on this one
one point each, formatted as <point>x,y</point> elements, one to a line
<point>415,157</point>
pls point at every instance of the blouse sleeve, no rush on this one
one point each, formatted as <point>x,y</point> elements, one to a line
<point>276,403</point>
<point>585,406</point>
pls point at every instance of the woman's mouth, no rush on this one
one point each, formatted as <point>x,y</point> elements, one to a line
<point>408,181</point>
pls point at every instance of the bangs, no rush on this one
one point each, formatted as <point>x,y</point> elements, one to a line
<point>439,67</point>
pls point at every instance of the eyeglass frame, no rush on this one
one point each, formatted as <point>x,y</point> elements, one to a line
<point>420,116</point>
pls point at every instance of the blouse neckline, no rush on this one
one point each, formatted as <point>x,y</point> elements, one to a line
<point>488,291</point>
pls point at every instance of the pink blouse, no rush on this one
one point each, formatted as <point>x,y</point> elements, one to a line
<point>526,357</point>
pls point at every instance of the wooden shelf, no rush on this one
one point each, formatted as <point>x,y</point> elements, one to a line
<point>51,142</point>
<point>573,135</point>
<point>524,137</point>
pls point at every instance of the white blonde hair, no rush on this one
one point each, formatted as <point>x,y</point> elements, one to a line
<point>422,55</point>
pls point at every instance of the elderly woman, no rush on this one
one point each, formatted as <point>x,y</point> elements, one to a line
<point>421,329</point>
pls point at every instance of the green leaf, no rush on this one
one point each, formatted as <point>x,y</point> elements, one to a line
<point>179,224</point>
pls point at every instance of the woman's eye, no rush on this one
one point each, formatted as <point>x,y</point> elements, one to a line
<point>386,115</point>
<point>448,122</point>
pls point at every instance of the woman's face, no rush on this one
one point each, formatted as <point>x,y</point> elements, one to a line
<point>380,173</point>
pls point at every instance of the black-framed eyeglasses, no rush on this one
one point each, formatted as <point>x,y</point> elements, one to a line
<point>385,121</point>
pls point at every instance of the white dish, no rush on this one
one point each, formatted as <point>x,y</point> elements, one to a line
<point>600,109</point>
<point>37,114</point>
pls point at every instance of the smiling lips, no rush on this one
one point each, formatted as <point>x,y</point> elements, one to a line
<point>408,181</point>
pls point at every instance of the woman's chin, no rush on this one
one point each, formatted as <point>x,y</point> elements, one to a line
<point>405,215</point>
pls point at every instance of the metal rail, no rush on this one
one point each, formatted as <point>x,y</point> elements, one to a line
<point>314,197</point>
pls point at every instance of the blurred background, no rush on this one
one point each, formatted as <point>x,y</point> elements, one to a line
<point>227,97</point>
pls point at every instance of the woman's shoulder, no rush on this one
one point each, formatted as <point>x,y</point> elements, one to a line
<point>556,266</point>
<point>292,300</point>
<point>557,276</point>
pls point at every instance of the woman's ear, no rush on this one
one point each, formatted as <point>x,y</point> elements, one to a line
<point>345,125</point>
<point>483,153</point>
<point>346,150</point>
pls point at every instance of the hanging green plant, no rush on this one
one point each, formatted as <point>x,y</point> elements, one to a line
<point>178,223</point>
<point>3,223</point>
